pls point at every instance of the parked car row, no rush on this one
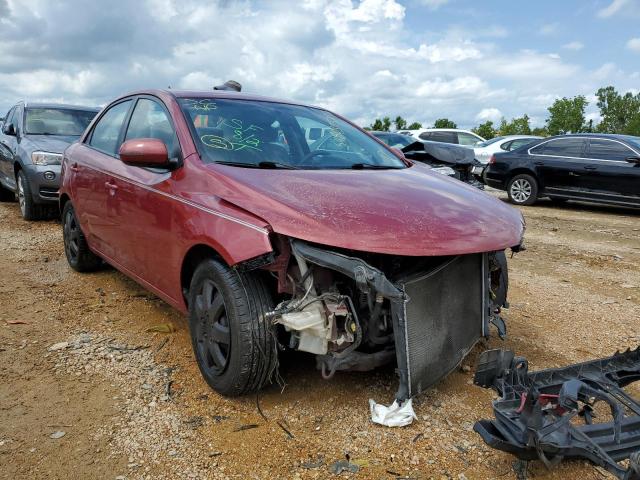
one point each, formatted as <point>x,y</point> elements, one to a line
<point>594,168</point>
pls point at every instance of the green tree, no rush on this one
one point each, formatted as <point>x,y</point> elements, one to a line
<point>485,130</point>
<point>566,115</point>
<point>540,131</point>
<point>379,125</point>
<point>400,123</point>
<point>415,126</point>
<point>517,126</point>
<point>619,112</point>
<point>444,123</point>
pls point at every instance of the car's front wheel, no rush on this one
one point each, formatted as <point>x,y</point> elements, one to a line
<point>29,209</point>
<point>523,189</point>
<point>233,342</point>
<point>79,256</point>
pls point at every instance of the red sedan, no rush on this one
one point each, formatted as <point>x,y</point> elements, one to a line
<point>276,225</point>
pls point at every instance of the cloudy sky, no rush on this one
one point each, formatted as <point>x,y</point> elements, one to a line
<point>423,59</point>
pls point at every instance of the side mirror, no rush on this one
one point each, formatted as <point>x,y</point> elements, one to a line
<point>9,129</point>
<point>145,152</point>
<point>635,160</point>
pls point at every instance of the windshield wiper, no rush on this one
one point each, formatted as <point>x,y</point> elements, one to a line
<point>371,166</point>
<point>265,165</point>
<point>274,165</point>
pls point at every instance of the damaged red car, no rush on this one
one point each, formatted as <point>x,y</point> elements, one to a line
<point>224,205</point>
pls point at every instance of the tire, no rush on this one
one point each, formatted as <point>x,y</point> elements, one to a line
<point>6,195</point>
<point>499,279</point>
<point>243,355</point>
<point>28,208</point>
<point>523,189</point>
<point>78,254</point>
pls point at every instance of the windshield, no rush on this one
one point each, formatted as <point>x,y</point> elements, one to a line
<point>486,143</point>
<point>57,121</point>
<point>275,135</point>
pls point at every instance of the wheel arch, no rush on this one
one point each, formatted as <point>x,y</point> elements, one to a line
<point>192,258</point>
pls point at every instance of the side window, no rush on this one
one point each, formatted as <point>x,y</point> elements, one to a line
<point>149,120</point>
<point>609,150</point>
<point>8,119</point>
<point>106,133</point>
<point>507,146</point>
<point>426,136</point>
<point>446,137</point>
<point>563,147</point>
<point>519,143</point>
<point>466,139</point>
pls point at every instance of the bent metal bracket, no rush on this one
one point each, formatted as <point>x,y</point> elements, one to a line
<point>551,414</point>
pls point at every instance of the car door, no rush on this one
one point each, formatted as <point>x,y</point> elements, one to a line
<point>6,152</point>
<point>611,176</point>
<point>93,187</point>
<point>559,164</point>
<point>142,200</point>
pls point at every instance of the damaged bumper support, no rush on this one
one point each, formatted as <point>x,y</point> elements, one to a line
<point>554,414</point>
<point>437,315</point>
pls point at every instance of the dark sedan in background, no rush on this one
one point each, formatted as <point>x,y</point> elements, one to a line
<point>587,167</point>
<point>32,141</point>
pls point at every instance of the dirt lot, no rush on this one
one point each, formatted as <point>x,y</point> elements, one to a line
<point>77,357</point>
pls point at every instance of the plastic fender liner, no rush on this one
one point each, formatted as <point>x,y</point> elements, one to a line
<point>535,418</point>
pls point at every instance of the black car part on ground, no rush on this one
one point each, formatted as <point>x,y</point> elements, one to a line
<point>549,414</point>
<point>438,154</point>
<point>431,338</point>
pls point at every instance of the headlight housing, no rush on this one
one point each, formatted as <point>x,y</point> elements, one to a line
<point>46,158</point>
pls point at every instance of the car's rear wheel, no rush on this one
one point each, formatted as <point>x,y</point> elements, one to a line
<point>79,256</point>
<point>523,189</point>
<point>233,342</point>
<point>28,208</point>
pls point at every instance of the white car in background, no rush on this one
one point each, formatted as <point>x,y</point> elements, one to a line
<point>446,135</point>
<point>506,143</point>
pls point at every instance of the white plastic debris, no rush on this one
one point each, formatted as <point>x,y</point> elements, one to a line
<point>393,415</point>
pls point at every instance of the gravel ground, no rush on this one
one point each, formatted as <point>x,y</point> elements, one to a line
<point>98,378</point>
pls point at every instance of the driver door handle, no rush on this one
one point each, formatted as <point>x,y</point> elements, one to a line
<point>111,186</point>
<point>590,167</point>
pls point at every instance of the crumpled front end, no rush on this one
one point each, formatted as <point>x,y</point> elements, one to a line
<point>579,411</point>
<point>357,311</point>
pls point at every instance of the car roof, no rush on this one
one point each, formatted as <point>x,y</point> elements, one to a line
<point>64,106</point>
<point>222,94</point>
<point>617,136</point>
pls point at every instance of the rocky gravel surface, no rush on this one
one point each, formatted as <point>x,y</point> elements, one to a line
<point>98,378</point>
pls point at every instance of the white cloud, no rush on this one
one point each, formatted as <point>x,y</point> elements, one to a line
<point>492,114</point>
<point>614,7</point>
<point>575,45</point>
<point>634,44</point>
<point>361,59</point>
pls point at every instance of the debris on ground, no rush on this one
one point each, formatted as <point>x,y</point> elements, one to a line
<point>395,415</point>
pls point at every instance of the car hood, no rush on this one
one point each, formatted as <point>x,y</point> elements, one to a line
<point>48,143</point>
<point>409,211</point>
